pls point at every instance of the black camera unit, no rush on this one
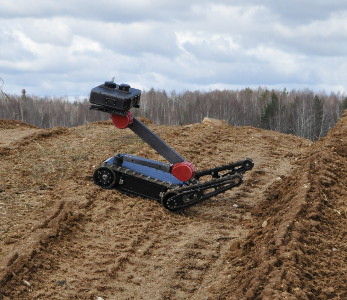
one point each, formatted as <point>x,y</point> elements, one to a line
<point>114,99</point>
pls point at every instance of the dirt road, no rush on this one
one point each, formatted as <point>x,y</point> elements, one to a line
<point>280,234</point>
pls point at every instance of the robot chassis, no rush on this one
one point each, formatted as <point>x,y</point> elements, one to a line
<point>177,184</point>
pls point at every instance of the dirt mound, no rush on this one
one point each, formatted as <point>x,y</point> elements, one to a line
<point>12,131</point>
<point>214,122</point>
<point>279,235</point>
<point>13,124</point>
<point>298,249</point>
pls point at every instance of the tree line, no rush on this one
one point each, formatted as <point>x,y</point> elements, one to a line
<point>299,112</point>
<point>47,112</point>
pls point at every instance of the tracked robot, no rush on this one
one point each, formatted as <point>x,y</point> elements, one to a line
<point>176,184</point>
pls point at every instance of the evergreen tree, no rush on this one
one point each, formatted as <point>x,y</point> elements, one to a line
<point>344,104</point>
<point>270,111</point>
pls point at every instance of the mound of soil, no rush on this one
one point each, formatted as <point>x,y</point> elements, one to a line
<point>280,235</point>
<point>14,124</point>
<point>12,131</point>
<point>298,249</point>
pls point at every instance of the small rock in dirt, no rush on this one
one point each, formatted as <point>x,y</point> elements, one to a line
<point>99,298</point>
<point>235,246</point>
<point>9,240</point>
<point>264,224</point>
<point>26,283</point>
<point>235,205</point>
<point>61,282</point>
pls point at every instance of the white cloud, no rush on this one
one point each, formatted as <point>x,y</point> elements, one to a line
<point>81,45</point>
<point>67,47</point>
<point>285,63</point>
<point>209,47</point>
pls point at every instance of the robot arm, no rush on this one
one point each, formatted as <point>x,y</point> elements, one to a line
<point>118,100</point>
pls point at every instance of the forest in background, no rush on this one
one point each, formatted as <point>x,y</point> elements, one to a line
<point>299,112</point>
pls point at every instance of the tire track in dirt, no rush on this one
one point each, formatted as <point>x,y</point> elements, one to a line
<point>19,195</point>
<point>10,136</point>
<point>140,255</point>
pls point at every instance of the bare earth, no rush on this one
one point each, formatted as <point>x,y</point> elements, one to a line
<point>280,235</point>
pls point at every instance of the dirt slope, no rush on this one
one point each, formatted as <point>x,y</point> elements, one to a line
<point>298,249</point>
<point>280,234</point>
<point>12,131</point>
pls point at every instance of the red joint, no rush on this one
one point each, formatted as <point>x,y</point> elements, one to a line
<point>122,122</point>
<point>183,171</point>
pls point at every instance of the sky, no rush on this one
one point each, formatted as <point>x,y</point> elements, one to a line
<point>65,48</point>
